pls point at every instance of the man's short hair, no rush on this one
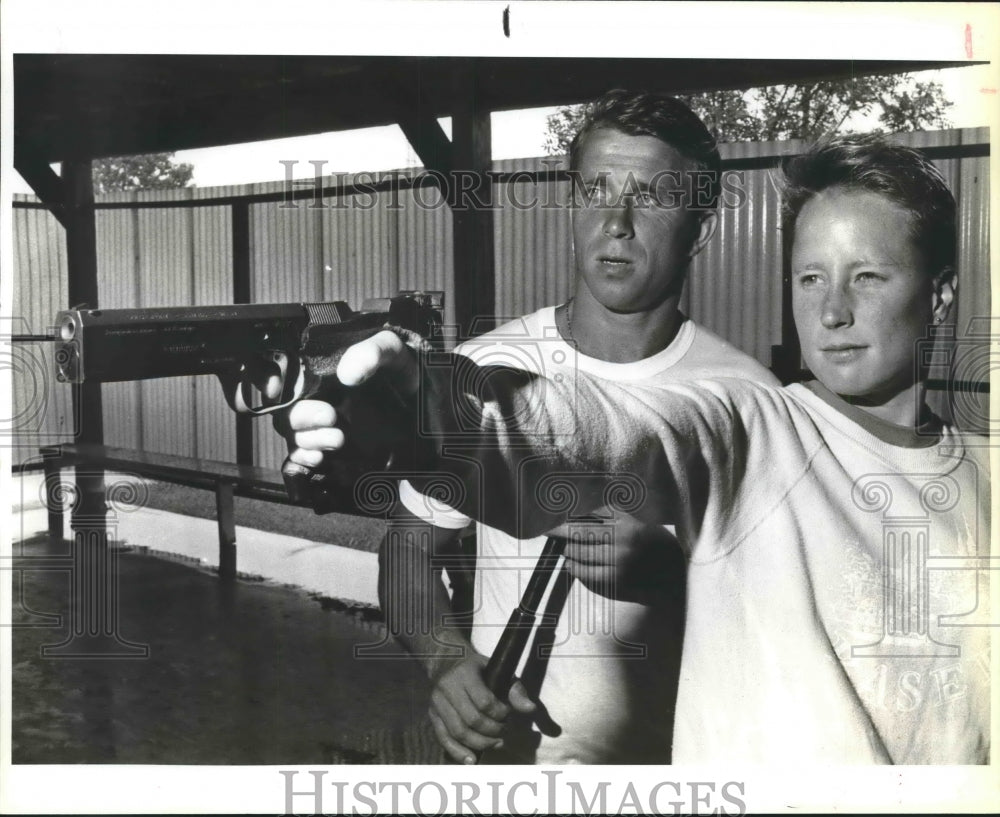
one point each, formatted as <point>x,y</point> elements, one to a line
<point>872,163</point>
<point>640,113</point>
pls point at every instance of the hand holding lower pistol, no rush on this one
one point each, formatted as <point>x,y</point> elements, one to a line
<point>466,716</point>
<point>641,564</point>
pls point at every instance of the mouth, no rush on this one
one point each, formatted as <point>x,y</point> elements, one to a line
<point>843,352</point>
<point>614,261</point>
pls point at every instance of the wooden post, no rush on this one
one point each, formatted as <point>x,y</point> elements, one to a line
<point>88,409</point>
<point>52,469</point>
<point>241,295</point>
<point>786,359</point>
<point>227,530</point>
<point>93,609</point>
<point>470,188</point>
<point>81,263</point>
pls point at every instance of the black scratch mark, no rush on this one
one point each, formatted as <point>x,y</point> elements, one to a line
<point>506,22</point>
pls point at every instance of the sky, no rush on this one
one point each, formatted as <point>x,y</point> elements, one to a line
<point>516,134</point>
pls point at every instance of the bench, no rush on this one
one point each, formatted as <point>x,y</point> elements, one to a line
<point>226,479</point>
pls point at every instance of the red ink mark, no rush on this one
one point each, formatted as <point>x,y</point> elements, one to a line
<point>987,90</point>
<point>968,40</point>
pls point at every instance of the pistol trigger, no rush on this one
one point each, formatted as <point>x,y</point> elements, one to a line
<point>283,362</point>
<point>242,397</point>
<point>281,359</point>
<point>242,392</point>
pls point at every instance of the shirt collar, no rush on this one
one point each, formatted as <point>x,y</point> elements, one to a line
<point>926,434</point>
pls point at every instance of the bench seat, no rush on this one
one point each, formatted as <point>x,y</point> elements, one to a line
<point>225,478</point>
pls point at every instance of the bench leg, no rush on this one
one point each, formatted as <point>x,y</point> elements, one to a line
<point>227,530</point>
<point>52,470</point>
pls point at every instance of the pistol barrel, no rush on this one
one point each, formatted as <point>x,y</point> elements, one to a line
<point>108,345</point>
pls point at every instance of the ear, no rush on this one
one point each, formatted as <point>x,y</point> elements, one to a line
<point>706,229</point>
<point>945,285</point>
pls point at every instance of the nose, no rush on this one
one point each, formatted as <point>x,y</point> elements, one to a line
<point>618,221</point>
<point>837,311</point>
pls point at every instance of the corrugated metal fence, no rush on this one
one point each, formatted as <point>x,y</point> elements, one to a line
<point>362,244</point>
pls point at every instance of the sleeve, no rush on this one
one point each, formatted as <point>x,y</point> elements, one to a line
<point>431,510</point>
<point>536,451</point>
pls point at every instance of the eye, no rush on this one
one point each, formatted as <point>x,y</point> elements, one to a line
<point>869,277</point>
<point>645,198</point>
<point>594,192</point>
<point>807,279</point>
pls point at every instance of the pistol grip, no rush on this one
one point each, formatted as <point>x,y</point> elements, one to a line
<point>379,430</point>
<point>313,488</point>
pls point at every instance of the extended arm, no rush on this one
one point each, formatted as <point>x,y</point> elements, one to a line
<point>536,451</point>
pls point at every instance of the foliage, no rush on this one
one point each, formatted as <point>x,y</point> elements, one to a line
<point>149,171</point>
<point>897,102</point>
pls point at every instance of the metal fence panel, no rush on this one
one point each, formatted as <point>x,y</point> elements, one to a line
<point>533,237</point>
<point>286,266</point>
<point>734,284</point>
<point>212,274</point>
<point>41,409</point>
<point>424,243</point>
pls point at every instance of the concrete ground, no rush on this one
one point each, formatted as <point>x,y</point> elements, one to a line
<point>259,671</point>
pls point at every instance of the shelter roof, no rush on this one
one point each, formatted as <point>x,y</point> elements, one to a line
<point>91,105</point>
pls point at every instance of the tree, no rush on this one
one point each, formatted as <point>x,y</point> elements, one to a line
<point>897,102</point>
<point>148,171</point>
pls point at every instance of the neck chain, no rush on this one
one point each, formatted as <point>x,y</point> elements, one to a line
<point>569,323</point>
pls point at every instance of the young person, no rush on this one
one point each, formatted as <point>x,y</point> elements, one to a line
<point>837,530</point>
<point>638,162</point>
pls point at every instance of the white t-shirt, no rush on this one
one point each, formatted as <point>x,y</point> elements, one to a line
<point>608,684</point>
<point>838,591</point>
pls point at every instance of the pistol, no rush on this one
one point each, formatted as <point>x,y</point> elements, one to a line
<point>301,342</point>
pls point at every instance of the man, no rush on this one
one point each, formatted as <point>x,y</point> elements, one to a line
<point>646,173</point>
<point>817,632</point>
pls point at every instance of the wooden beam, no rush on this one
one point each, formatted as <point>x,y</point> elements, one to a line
<point>81,232</point>
<point>44,181</point>
<point>416,118</point>
<point>428,139</point>
<point>471,196</point>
